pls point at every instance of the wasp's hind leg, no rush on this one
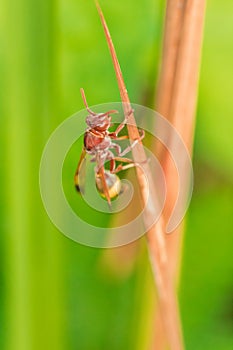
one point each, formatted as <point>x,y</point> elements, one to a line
<point>120,167</point>
<point>77,172</point>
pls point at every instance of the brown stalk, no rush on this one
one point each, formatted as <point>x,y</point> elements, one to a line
<point>179,75</point>
<point>155,237</point>
<point>172,28</point>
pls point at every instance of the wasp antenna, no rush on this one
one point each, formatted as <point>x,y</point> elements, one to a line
<point>109,112</point>
<point>85,102</point>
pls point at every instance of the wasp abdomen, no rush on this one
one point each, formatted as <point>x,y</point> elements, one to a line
<point>113,183</point>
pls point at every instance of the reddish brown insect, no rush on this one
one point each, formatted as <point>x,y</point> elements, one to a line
<point>99,142</point>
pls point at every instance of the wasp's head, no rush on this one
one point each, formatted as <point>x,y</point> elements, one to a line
<point>98,121</point>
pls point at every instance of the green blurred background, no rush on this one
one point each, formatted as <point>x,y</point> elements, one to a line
<point>55,293</point>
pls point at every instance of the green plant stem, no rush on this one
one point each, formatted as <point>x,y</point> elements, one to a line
<point>35,309</point>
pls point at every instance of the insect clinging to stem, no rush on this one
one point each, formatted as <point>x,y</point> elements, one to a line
<point>99,143</point>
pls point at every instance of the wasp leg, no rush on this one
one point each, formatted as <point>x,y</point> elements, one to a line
<point>123,160</point>
<point>123,137</point>
<point>112,165</point>
<point>76,175</point>
<point>118,138</point>
<point>112,159</point>
<point>115,170</point>
<point>114,134</point>
<point>117,148</point>
<point>127,149</point>
<point>121,167</point>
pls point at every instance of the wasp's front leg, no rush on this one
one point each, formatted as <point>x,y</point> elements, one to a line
<point>114,135</point>
<point>117,147</point>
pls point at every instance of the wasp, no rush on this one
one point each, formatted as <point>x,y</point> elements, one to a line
<point>99,143</point>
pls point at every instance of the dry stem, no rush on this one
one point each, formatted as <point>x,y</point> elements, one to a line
<point>155,237</point>
<point>176,100</point>
<point>173,24</point>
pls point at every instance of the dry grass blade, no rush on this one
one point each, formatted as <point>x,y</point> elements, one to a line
<point>179,73</point>
<point>133,131</point>
<point>155,237</point>
<point>172,29</point>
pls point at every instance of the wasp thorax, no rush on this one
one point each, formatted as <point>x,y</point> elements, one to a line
<point>113,183</point>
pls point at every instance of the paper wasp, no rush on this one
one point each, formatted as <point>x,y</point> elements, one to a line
<point>99,143</point>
